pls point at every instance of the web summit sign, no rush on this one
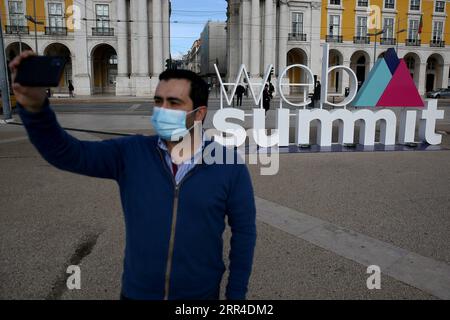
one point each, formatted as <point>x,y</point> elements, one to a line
<point>389,85</point>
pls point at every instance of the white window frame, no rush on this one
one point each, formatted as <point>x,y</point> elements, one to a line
<point>302,22</point>
<point>49,23</point>
<point>434,5</point>
<point>329,21</point>
<point>24,8</point>
<point>384,35</point>
<point>414,36</point>
<point>363,7</point>
<point>333,4</point>
<point>384,5</point>
<point>102,24</point>
<point>357,27</point>
<point>441,37</point>
<point>420,6</point>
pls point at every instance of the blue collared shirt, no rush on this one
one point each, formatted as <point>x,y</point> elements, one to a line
<point>185,166</point>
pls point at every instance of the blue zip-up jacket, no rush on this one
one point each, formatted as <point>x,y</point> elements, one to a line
<point>173,234</point>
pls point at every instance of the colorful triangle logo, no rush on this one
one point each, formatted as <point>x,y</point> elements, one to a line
<point>389,85</point>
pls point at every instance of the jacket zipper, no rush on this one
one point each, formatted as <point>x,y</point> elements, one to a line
<point>173,225</point>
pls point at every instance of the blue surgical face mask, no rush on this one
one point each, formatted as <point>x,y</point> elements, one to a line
<point>170,124</point>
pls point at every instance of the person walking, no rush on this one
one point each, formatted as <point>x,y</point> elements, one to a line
<point>316,94</point>
<point>266,98</point>
<point>71,89</point>
<point>239,93</point>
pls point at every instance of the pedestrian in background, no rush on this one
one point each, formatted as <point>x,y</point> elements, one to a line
<point>266,98</point>
<point>316,95</point>
<point>71,89</point>
<point>239,93</point>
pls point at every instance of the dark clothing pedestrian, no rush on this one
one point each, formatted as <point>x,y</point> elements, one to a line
<point>71,88</point>
<point>239,93</point>
<point>271,90</point>
<point>266,99</point>
<point>316,95</point>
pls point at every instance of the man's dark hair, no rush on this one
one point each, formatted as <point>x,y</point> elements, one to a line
<point>199,88</point>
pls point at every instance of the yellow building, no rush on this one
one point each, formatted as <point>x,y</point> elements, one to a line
<point>101,40</point>
<point>359,30</point>
<point>19,29</point>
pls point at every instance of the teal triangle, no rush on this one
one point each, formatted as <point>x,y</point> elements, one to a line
<point>374,86</point>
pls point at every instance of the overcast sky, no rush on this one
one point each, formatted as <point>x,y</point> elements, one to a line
<point>188,19</point>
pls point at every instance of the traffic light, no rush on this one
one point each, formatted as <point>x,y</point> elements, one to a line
<point>168,64</point>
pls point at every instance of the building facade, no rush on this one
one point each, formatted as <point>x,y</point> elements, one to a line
<point>192,58</point>
<point>418,29</point>
<point>286,32</point>
<point>112,46</point>
<point>213,49</point>
<point>267,32</point>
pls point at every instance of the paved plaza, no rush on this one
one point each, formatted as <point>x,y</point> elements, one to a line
<point>321,221</point>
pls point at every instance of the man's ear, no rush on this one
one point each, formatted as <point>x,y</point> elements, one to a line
<point>200,114</point>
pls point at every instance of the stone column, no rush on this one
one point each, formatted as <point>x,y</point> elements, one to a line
<point>445,75</point>
<point>165,27</point>
<point>157,39</point>
<point>80,63</point>
<point>143,37</point>
<point>422,77</point>
<point>122,80</point>
<point>245,33</point>
<point>314,38</point>
<point>233,41</point>
<point>268,34</point>
<point>134,44</point>
<point>255,50</point>
<point>283,27</point>
<point>141,80</point>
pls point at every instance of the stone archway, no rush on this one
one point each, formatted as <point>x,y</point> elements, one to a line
<point>434,72</point>
<point>13,50</point>
<point>412,61</point>
<point>360,64</point>
<point>60,50</point>
<point>104,67</point>
<point>335,77</point>
<point>296,56</point>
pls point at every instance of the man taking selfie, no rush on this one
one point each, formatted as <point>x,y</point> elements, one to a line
<point>174,211</point>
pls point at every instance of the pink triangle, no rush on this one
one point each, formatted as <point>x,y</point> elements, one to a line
<point>401,90</point>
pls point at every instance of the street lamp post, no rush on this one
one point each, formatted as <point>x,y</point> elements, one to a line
<point>20,40</point>
<point>35,27</point>
<point>398,32</point>
<point>35,22</point>
<point>376,34</point>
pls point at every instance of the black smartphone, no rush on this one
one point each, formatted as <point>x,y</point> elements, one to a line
<point>40,71</point>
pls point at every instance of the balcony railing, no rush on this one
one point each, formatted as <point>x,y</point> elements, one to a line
<point>59,31</point>
<point>361,40</point>
<point>17,29</point>
<point>437,43</point>
<point>388,41</point>
<point>333,38</point>
<point>102,31</point>
<point>412,42</point>
<point>297,36</point>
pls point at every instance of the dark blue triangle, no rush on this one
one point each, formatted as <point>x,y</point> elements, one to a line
<point>391,59</point>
